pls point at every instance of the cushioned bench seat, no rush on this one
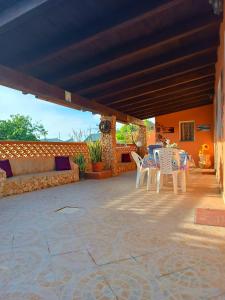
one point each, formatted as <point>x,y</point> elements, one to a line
<point>23,182</point>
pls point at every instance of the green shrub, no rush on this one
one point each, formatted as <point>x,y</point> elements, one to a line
<point>79,159</point>
<point>95,150</point>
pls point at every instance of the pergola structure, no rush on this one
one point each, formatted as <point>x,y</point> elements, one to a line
<point>124,58</point>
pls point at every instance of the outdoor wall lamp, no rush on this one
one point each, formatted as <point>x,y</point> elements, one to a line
<point>217,6</point>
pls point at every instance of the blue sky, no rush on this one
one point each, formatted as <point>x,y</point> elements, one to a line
<point>55,118</point>
<point>58,120</point>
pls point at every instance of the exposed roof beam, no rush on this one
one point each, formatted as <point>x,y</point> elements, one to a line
<point>175,108</point>
<point>190,77</point>
<point>137,48</point>
<point>172,74</point>
<point>116,27</point>
<point>187,87</point>
<point>45,91</point>
<point>170,100</point>
<point>179,101</point>
<point>19,9</point>
<point>143,67</point>
<point>108,89</point>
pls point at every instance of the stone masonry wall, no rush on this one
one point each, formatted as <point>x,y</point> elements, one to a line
<point>108,141</point>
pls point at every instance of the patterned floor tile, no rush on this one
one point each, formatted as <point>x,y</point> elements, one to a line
<point>188,284</point>
<point>6,269</point>
<point>104,250</point>
<point>129,282</point>
<point>128,244</point>
<point>89,285</point>
<point>29,292</point>
<point>64,245</point>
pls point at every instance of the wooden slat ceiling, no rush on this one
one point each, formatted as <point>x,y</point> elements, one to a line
<point>141,58</point>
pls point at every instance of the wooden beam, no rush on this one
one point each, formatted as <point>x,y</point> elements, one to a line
<point>156,67</point>
<point>173,73</point>
<point>187,87</point>
<point>137,48</point>
<point>172,109</point>
<point>190,77</point>
<point>154,64</point>
<point>179,101</point>
<point>18,10</point>
<point>170,100</point>
<point>45,91</point>
<point>99,33</point>
<point>110,89</point>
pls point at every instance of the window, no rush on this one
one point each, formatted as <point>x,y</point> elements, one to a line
<point>187,131</point>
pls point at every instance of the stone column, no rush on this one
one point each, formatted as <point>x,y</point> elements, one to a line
<point>142,132</point>
<point>108,141</point>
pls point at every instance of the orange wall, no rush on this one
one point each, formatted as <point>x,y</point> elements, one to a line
<point>201,115</point>
<point>150,137</point>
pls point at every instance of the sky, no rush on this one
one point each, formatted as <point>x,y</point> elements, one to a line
<point>59,121</point>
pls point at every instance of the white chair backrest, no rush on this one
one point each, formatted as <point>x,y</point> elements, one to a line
<point>137,159</point>
<point>167,157</point>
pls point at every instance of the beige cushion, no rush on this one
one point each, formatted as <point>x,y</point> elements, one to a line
<point>22,166</point>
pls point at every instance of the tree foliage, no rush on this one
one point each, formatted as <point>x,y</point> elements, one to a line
<point>128,133</point>
<point>19,127</point>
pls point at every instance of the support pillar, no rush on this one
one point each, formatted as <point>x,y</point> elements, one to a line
<point>108,141</point>
<point>142,133</point>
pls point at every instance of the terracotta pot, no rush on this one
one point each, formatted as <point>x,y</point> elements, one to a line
<point>98,166</point>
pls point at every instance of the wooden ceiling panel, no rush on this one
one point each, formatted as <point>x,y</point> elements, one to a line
<point>206,72</point>
<point>187,88</point>
<point>134,50</point>
<point>170,99</point>
<point>123,56</point>
<point>173,108</point>
<point>113,87</point>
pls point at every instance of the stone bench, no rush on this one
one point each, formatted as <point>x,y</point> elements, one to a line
<point>32,174</point>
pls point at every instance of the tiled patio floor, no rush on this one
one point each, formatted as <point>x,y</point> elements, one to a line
<point>121,243</point>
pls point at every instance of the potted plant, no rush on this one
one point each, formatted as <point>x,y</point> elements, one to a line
<point>79,159</point>
<point>95,150</point>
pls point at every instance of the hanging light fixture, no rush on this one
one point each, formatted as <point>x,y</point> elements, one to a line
<point>217,6</point>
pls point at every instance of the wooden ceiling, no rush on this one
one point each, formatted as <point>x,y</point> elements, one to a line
<point>140,58</point>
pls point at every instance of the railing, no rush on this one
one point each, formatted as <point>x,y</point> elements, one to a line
<point>27,149</point>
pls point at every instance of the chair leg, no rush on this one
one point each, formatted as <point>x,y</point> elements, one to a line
<point>187,174</point>
<point>153,178</point>
<point>149,174</point>
<point>183,181</point>
<point>142,178</point>
<point>158,181</point>
<point>162,179</point>
<point>138,180</point>
<point>175,182</point>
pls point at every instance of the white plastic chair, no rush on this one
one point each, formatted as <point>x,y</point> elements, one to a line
<point>166,158</point>
<point>141,172</point>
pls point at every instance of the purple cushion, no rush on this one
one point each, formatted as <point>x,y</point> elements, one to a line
<point>62,163</point>
<point>5,165</point>
<point>125,157</point>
